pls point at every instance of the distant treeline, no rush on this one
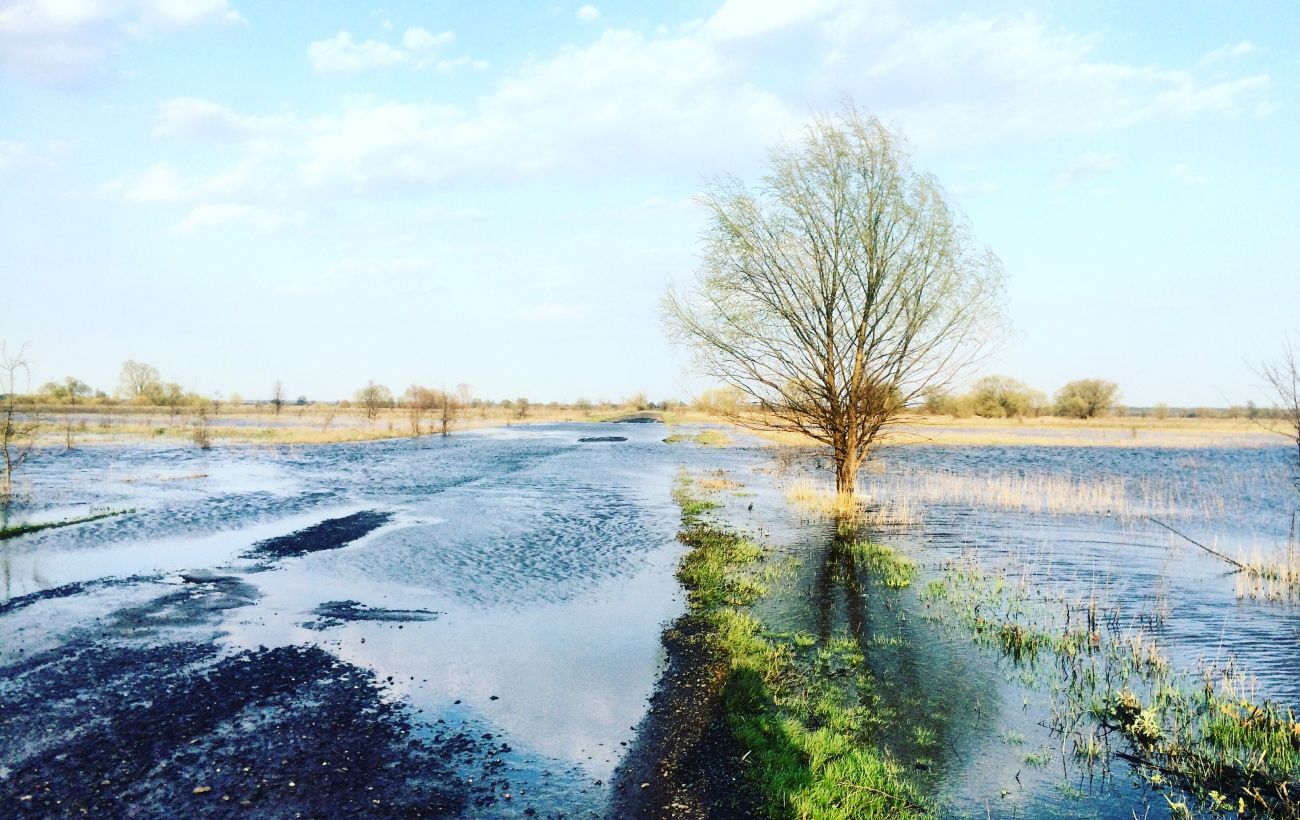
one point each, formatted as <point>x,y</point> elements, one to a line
<point>1000,397</point>
<point>142,388</point>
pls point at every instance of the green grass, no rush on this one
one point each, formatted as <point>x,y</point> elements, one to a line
<point>24,529</point>
<point>1205,736</point>
<point>707,438</point>
<point>894,570</point>
<point>806,713</point>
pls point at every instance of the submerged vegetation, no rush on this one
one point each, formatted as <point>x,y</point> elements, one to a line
<point>803,709</point>
<point>24,529</point>
<point>1203,736</point>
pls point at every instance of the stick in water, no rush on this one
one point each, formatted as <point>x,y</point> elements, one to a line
<point>1215,553</point>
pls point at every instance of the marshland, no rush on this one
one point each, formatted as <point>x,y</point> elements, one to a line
<point>1015,629</point>
<point>721,409</point>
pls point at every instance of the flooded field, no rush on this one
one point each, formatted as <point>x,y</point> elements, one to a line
<point>1048,540</point>
<point>472,626</point>
<point>494,598</point>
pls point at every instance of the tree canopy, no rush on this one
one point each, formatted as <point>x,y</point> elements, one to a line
<point>838,290</point>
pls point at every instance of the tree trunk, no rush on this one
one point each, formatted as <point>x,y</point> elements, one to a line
<point>846,471</point>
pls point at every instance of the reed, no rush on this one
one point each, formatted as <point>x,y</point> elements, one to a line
<point>1044,493</point>
<point>858,509</point>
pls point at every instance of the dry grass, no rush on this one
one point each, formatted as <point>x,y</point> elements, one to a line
<point>1270,577</point>
<point>1031,492</point>
<point>862,508</point>
<point>1049,431</point>
<point>909,491</point>
<point>294,426</point>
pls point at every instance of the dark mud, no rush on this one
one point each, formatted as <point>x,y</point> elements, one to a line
<point>336,613</point>
<point>290,728</point>
<point>685,762</point>
<point>65,591</point>
<point>330,534</point>
<point>123,718</point>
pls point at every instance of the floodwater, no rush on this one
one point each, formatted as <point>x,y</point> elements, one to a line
<point>981,732</point>
<point>472,625</point>
<point>506,590</point>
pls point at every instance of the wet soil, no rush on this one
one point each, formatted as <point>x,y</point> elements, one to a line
<point>335,613</point>
<point>330,534</point>
<point>116,721</point>
<point>685,762</point>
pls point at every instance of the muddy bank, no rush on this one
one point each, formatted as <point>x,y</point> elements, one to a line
<point>143,713</point>
<point>685,761</point>
<point>179,733</point>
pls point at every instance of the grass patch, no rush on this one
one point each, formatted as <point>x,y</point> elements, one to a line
<point>1205,737</point>
<point>706,438</point>
<point>805,711</point>
<point>24,529</point>
<point>894,570</point>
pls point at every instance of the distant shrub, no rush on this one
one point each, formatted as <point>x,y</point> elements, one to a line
<point>1086,398</point>
<point>998,397</point>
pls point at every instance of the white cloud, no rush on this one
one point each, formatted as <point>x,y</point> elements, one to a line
<point>1228,52</point>
<point>689,101</point>
<point>549,312</point>
<point>1083,167</point>
<point>401,273</point>
<point>191,118</point>
<point>1181,172</point>
<point>13,155</point>
<point>975,189</point>
<point>588,14</point>
<point>738,19</point>
<point>419,39</point>
<point>418,50</point>
<point>68,42</point>
<point>1010,77</point>
<point>208,216</point>
<point>158,184</point>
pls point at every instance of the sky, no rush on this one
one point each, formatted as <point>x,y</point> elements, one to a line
<point>498,193</point>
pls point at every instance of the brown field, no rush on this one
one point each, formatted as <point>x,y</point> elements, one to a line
<point>1051,431</point>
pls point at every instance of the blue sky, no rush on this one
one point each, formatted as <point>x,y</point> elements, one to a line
<point>498,193</point>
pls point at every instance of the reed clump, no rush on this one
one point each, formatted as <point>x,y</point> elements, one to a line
<point>1044,493</point>
<point>850,509</point>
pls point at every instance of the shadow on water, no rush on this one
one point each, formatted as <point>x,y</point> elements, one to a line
<point>929,695</point>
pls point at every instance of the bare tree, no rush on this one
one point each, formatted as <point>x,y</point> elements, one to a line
<point>139,379</point>
<point>837,292</point>
<point>17,430</point>
<point>419,401</point>
<point>202,432</point>
<point>1283,378</point>
<point>448,411</point>
<point>277,396</point>
<point>373,398</point>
